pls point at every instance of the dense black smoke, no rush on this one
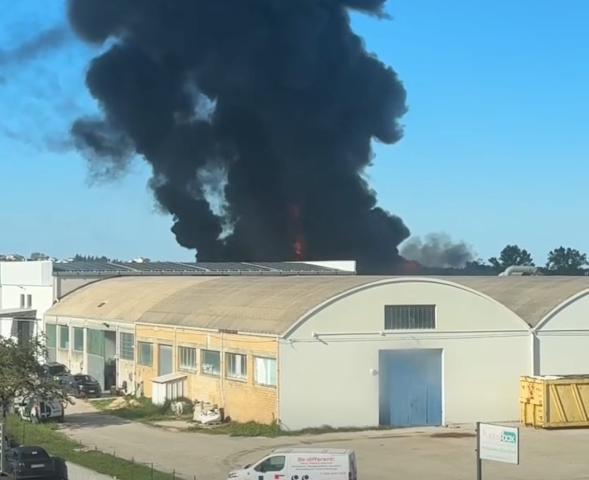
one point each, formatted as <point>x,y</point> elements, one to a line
<point>438,251</point>
<point>33,47</point>
<point>277,97</point>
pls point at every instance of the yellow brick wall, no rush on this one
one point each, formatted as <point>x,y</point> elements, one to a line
<point>243,400</point>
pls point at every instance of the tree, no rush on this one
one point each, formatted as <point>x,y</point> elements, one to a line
<point>37,256</point>
<point>566,261</point>
<point>510,256</point>
<point>22,374</point>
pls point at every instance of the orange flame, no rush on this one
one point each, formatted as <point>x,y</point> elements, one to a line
<point>298,244</point>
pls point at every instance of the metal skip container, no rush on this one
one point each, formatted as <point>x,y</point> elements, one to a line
<point>554,401</point>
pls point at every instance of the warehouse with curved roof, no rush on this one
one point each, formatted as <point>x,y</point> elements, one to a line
<point>309,351</point>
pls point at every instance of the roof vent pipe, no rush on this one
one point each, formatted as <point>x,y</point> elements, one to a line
<point>518,270</point>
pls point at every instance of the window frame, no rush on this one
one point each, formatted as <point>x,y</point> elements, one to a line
<point>63,328</point>
<point>78,330</point>
<point>192,353</point>
<point>203,352</point>
<point>267,461</point>
<point>257,380</point>
<point>140,352</point>
<point>124,346</point>
<point>394,321</point>
<point>228,363</point>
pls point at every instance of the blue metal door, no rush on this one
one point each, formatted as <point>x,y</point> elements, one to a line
<point>414,387</point>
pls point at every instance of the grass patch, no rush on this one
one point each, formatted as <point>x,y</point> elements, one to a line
<point>59,445</point>
<point>254,429</point>
<point>143,410</point>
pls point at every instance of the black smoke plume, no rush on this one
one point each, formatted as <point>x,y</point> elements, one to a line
<point>277,97</point>
<point>33,47</point>
<point>438,250</point>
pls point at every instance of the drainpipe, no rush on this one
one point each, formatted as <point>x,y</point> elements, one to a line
<point>518,270</point>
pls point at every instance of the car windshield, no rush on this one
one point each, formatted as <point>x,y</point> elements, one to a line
<point>33,454</point>
<point>84,378</point>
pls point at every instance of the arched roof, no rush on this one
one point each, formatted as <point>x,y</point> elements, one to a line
<point>274,304</point>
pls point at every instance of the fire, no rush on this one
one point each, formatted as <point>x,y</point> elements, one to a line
<point>298,244</point>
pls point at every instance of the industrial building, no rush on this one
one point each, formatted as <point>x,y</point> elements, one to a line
<point>29,289</point>
<point>339,350</point>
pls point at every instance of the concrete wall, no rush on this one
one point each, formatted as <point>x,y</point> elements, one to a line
<point>25,278</point>
<point>77,362</point>
<point>333,379</point>
<point>562,339</point>
<point>243,400</point>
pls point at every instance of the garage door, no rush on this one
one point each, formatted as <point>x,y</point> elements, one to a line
<point>165,360</point>
<point>411,387</point>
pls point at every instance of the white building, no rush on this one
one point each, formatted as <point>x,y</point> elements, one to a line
<point>348,351</point>
<point>29,289</point>
<point>561,337</point>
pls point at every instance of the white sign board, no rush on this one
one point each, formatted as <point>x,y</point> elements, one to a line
<point>498,443</point>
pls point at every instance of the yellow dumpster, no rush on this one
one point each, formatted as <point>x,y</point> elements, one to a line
<point>555,401</point>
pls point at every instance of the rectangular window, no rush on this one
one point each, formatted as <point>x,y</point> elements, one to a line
<point>29,301</point>
<point>51,335</point>
<point>409,317</point>
<point>22,300</point>
<point>78,339</point>
<point>265,371</point>
<point>211,362</point>
<point>187,359</point>
<point>127,346</point>
<point>236,366</point>
<point>64,337</point>
<point>145,354</point>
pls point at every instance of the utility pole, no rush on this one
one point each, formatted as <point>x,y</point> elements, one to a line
<point>3,443</point>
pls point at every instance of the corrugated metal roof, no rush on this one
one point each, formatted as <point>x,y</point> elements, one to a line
<point>98,268</point>
<point>272,304</point>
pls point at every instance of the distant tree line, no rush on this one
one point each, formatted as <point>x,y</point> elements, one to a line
<point>560,261</point>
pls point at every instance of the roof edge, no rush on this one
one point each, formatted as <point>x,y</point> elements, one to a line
<point>559,308</point>
<point>388,281</point>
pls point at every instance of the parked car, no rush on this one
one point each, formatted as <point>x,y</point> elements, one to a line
<point>55,370</point>
<point>38,410</point>
<point>82,385</point>
<point>30,463</point>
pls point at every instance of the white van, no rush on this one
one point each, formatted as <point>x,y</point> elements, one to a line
<point>301,464</point>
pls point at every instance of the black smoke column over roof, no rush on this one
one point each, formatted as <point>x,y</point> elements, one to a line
<point>278,97</point>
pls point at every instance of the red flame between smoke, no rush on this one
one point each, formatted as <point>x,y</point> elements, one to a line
<point>298,244</point>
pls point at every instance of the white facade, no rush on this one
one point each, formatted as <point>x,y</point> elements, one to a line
<point>79,360</point>
<point>329,362</point>
<point>25,285</point>
<point>561,339</point>
<point>33,285</point>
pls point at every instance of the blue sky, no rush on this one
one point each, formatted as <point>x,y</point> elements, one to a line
<point>495,148</point>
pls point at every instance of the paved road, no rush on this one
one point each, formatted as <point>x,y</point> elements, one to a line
<point>411,454</point>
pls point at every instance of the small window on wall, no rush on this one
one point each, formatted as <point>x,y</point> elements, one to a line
<point>51,335</point>
<point>29,302</point>
<point>211,362</point>
<point>236,366</point>
<point>78,339</point>
<point>409,317</point>
<point>187,359</point>
<point>145,354</point>
<point>64,337</point>
<point>127,346</point>
<point>265,371</point>
<point>22,300</point>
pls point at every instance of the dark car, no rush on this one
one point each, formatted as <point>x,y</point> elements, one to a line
<point>24,463</point>
<point>55,370</point>
<point>82,385</point>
